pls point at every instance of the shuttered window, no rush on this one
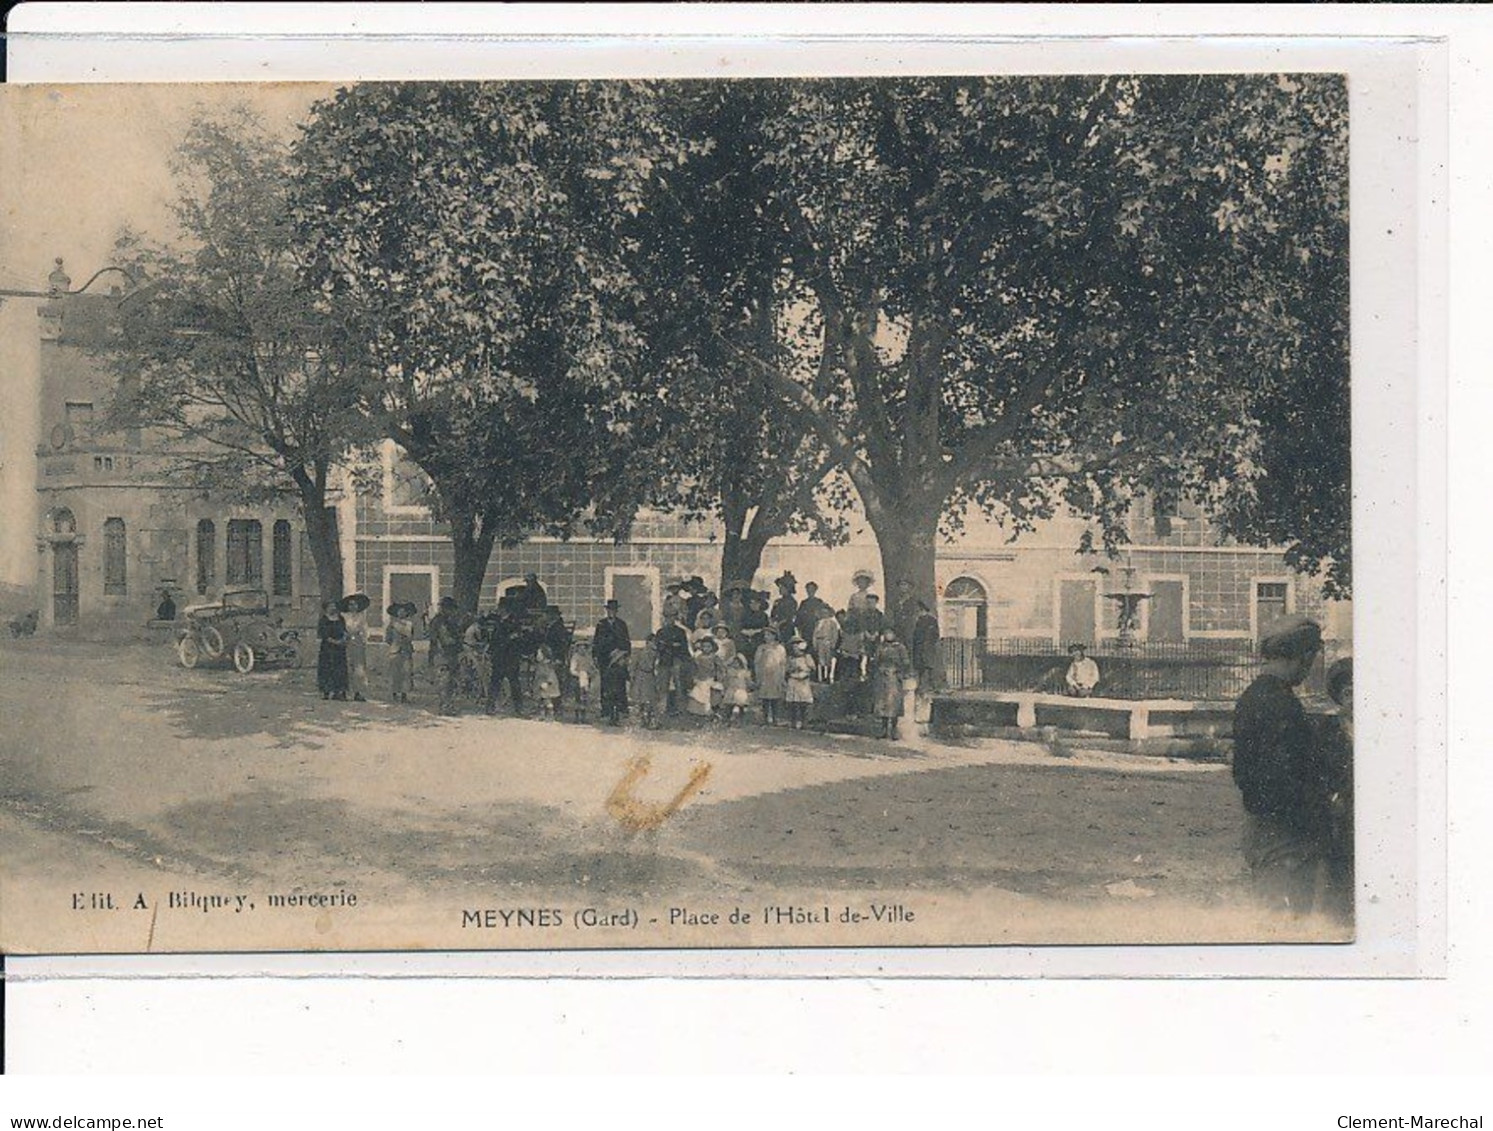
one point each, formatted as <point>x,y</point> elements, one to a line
<point>280,565</point>
<point>114,558</point>
<point>207,555</point>
<point>245,552</point>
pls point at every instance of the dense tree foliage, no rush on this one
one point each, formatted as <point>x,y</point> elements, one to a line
<point>1026,293</point>
<point>746,300</point>
<point>224,350</point>
<point>709,247</point>
<point>464,227</point>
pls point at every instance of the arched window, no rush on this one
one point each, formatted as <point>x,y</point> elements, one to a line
<point>245,552</point>
<point>114,557</point>
<point>966,609</point>
<point>207,555</point>
<point>63,521</point>
<point>280,558</point>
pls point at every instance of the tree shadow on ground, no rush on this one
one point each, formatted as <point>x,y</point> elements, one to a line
<point>502,848</point>
<point>1039,830</point>
<point>687,732</point>
<point>274,706</point>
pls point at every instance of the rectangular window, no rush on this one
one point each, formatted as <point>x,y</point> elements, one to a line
<point>280,558</point>
<point>1272,601</point>
<point>245,552</point>
<point>1163,512</point>
<point>406,487</point>
<point>207,555</point>
<point>115,554</point>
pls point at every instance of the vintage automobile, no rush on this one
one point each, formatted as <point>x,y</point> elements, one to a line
<point>240,628</point>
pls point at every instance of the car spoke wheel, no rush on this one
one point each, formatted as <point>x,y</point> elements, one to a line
<point>243,658</point>
<point>188,652</point>
<point>212,641</point>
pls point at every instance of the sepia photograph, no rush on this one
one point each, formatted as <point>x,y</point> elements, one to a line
<point>899,511</point>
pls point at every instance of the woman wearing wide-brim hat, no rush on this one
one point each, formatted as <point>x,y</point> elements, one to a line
<point>355,613</point>
<point>399,634</point>
<point>859,601</point>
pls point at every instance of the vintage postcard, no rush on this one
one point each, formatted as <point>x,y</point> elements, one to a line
<point>898,511</point>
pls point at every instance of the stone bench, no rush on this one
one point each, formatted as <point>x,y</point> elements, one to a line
<point>1132,719</point>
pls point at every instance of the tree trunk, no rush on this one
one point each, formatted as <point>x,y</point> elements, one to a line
<point>741,554</point>
<point>907,534</point>
<point>321,536</point>
<point>472,540</point>
<point>326,549</point>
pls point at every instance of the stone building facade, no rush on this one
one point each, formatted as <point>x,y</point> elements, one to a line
<point>114,530</point>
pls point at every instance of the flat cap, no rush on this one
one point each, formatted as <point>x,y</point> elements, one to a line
<point>1290,638</point>
<point>1339,678</point>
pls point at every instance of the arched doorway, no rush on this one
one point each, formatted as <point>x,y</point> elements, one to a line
<point>63,537</point>
<point>966,609</point>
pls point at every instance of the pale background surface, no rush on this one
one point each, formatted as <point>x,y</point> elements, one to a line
<point>1014,1026</point>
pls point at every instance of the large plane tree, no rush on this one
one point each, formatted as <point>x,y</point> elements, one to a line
<point>1026,293</point>
<point>463,227</point>
<point>223,351</point>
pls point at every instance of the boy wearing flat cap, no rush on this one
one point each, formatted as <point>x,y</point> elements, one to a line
<point>1279,773</point>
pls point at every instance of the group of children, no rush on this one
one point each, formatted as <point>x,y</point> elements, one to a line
<point>707,660</point>
<point>717,679</point>
<point>716,672</point>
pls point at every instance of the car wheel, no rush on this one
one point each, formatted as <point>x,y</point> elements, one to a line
<point>243,658</point>
<point>212,641</point>
<point>188,652</point>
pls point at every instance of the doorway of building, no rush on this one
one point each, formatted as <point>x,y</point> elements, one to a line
<point>1168,612</point>
<point>966,610</point>
<point>634,592</point>
<point>416,588</point>
<point>64,583</point>
<point>1076,619</point>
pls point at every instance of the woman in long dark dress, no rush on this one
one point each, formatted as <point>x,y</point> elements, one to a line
<point>331,659</point>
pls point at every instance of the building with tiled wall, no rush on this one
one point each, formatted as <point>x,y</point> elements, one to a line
<point>1198,590</point>
<point>1035,588</point>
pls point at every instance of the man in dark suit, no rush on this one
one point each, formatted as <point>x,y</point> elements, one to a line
<point>810,609</point>
<point>672,643</point>
<point>505,648</point>
<point>531,595</point>
<point>1279,771</point>
<point>610,648</point>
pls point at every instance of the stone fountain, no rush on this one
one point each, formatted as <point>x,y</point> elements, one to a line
<point>1128,598</point>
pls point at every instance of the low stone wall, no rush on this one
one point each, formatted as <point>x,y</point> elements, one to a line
<point>1132,721</point>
